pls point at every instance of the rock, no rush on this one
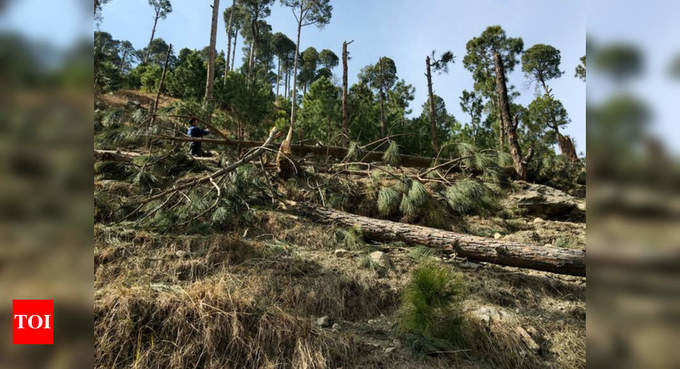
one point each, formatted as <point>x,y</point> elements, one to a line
<point>490,315</point>
<point>340,253</point>
<point>548,245</point>
<point>469,265</point>
<point>538,220</point>
<point>497,236</point>
<point>546,202</point>
<point>381,259</point>
<point>324,321</point>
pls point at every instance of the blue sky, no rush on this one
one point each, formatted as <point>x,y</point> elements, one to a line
<point>405,30</point>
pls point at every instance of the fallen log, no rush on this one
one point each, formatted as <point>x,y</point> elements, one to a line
<point>129,156</point>
<point>412,161</point>
<point>548,259</point>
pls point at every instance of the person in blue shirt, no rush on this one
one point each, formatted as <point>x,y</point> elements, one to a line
<point>196,132</point>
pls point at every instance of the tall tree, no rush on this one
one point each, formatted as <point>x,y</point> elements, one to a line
<point>161,9</point>
<point>382,76</point>
<point>541,63</point>
<point>128,52</point>
<point>306,13</point>
<point>255,11</point>
<point>328,59</point>
<point>210,79</point>
<point>479,60</point>
<point>345,56</point>
<point>283,47</point>
<point>230,19</point>
<point>439,65</point>
<point>310,60</point>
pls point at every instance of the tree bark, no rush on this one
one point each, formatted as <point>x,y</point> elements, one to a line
<point>211,55</point>
<point>510,129</point>
<point>548,259</point>
<point>153,32</point>
<point>345,118</point>
<point>433,119</point>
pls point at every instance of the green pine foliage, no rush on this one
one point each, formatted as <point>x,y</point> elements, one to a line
<point>430,316</point>
<point>391,155</point>
<point>469,196</point>
<point>388,201</point>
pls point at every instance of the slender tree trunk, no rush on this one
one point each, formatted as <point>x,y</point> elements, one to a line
<point>278,78</point>
<point>510,129</point>
<point>345,118</point>
<point>211,57</point>
<point>226,59</point>
<point>233,52</point>
<point>285,168</point>
<point>153,33</point>
<point>433,118</point>
<point>286,93</point>
<point>154,108</point>
<point>382,113</point>
<point>565,143</point>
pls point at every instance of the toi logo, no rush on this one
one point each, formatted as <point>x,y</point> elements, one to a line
<point>32,322</point>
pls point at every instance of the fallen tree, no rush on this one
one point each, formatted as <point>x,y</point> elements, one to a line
<point>129,156</point>
<point>548,259</point>
<point>301,150</point>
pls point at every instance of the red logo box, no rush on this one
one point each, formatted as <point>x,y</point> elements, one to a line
<point>33,322</point>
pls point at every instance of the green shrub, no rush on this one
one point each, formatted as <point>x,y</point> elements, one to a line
<point>430,316</point>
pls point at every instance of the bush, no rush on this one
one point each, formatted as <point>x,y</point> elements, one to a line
<point>430,317</point>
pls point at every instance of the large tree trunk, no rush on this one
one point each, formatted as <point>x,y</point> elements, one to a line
<point>345,118</point>
<point>229,26</point>
<point>510,129</point>
<point>153,33</point>
<point>122,60</point>
<point>433,118</point>
<point>211,55</point>
<point>548,259</point>
<point>283,165</point>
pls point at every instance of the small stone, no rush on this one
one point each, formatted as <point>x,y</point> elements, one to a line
<point>469,265</point>
<point>497,236</point>
<point>381,259</point>
<point>324,321</point>
<point>538,220</point>
<point>336,326</point>
<point>340,253</point>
